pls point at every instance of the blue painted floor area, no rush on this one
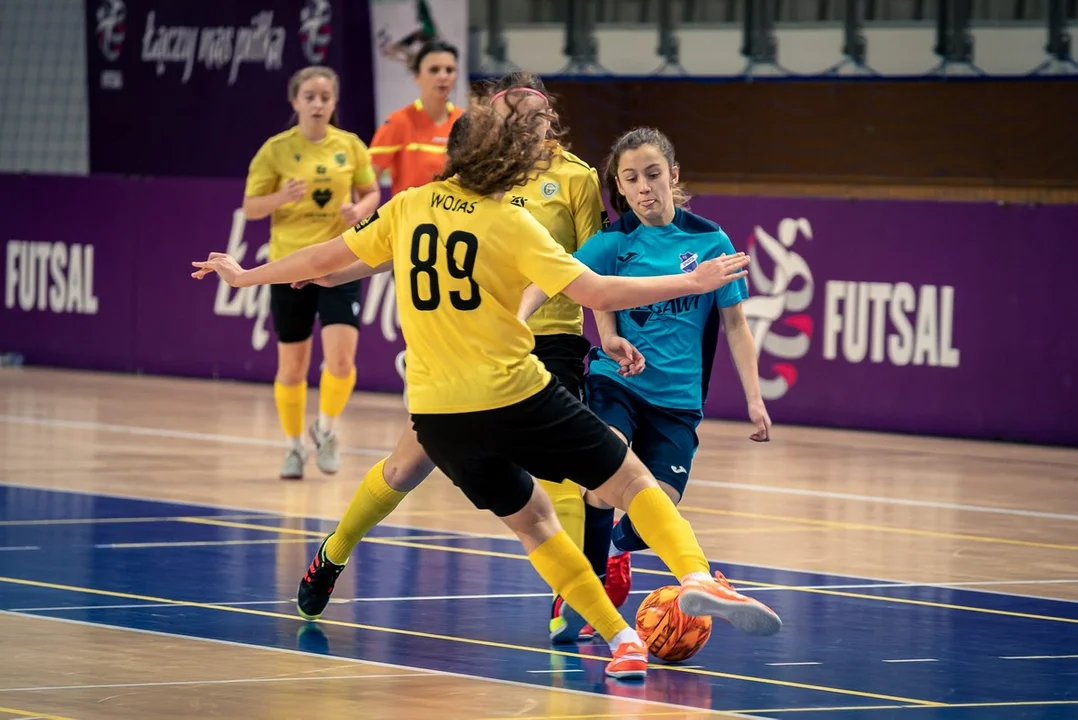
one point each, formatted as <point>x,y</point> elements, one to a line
<point>475,606</point>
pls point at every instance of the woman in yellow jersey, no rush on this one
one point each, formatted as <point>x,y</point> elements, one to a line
<point>410,144</point>
<point>566,200</point>
<point>314,181</point>
<point>483,407</point>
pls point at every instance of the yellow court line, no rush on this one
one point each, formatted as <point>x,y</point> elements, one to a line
<point>31,714</point>
<point>107,521</point>
<point>793,588</point>
<point>839,525</point>
<point>1016,703</point>
<point>453,638</point>
<point>633,713</point>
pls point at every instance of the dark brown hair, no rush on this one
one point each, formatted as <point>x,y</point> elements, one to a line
<point>432,46</point>
<point>489,153</point>
<point>521,80</point>
<point>633,140</point>
<point>313,71</point>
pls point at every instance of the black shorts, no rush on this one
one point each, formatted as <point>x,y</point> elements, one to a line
<point>294,311</point>
<point>491,455</point>
<point>664,439</point>
<point>563,355</point>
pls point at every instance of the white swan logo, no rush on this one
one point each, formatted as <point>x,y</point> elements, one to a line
<point>315,31</point>
<point>780,327</point>
<point>111,28</point>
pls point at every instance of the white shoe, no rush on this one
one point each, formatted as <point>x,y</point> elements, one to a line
<point>292,469</point>
<point>327,452</point>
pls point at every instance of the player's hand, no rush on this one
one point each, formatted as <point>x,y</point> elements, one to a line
<point>759,417</point>
<point>223,264</point>
<point>351,213</point>
<point>723,270</point>
<point>622,352</point>
<point>293,191</point>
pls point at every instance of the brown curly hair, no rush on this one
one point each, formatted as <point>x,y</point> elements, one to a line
<point>522,80</point>
<point>633,140</point>
<point>489,153</point>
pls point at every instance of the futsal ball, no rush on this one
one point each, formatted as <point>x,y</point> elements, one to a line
<point>670,634</point>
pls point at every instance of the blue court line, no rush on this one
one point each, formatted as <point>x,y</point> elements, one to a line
<point>507,569</point>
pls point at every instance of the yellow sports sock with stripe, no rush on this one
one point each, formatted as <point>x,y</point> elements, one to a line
<point>564,568</point>
<point>371,503</point>
<point>568,506</point>
<point>333,394</point>
<point>291,406</point>
<point>661,526</point>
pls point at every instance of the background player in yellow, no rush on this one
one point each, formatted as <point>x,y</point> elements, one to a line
<point>314,181</point>
<point>566,200</point>
<point>483,407</point>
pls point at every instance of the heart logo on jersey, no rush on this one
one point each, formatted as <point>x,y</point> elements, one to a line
<point>322,196</point>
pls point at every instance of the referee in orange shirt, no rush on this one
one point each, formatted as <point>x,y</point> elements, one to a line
<point>411,142</point>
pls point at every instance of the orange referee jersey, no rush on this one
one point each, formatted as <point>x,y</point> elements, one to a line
<point>411,146</point>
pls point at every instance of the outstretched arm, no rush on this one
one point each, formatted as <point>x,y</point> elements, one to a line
<point>310,262</point>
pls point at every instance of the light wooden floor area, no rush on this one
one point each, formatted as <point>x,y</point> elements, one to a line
<point>895,510</point>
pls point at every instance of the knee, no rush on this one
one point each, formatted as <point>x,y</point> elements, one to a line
<point>404,471</point>
<point>291,372</point>
<point>340,365</point>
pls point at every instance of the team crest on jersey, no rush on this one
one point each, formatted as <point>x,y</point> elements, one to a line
<point>550,189</point>
<point>688,261</point>
<point>340,158</point>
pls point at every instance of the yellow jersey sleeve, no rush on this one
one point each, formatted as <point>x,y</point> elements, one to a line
<point>372,239</point>
<point>364,175</point>
<point>586,202</point>
<point>540,259</point>
<point>262,177</point>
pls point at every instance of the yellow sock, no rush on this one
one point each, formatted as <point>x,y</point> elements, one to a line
<point>569,573</point>
<point>569,507</point>
<point>372,502</point>
<point>661,526</point>
<point>291,406</point>
<point>334,392</point>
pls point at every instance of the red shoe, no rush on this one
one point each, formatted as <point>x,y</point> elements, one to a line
<point>630,662</point>
<point>619,578</point>
<point>717,597</point>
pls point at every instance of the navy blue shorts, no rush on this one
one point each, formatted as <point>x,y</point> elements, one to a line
<point>663,438</point>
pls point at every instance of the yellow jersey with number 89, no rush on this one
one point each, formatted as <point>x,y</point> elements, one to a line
<point>461,263</point>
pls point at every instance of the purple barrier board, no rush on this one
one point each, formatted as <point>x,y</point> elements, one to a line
<point>892,316</point>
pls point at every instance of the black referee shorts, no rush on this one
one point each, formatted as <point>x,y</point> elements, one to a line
<point>294,311</point>
<point>563,355</point>
<point>491,455</point>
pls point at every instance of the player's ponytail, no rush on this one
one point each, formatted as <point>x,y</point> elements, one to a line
<point>633,140</point>
<point>489,153</point>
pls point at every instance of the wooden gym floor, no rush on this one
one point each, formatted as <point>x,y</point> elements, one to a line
<point>149,558</point>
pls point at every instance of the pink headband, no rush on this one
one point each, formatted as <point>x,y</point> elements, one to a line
<point>531,91</point>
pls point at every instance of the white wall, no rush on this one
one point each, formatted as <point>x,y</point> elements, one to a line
<point>1004,50</point>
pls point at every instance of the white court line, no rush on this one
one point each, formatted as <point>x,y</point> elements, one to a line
<point>16,548</point>
<point>912,660</point>
<point>237,681</point>
<point>375,663</point>
<point>464,534</point>
<point>1038,657</point>
<point>883,500</point>
<point>555,672</point>
<point>777,489</point>
<point>793,664</point>
<point>47,422</point>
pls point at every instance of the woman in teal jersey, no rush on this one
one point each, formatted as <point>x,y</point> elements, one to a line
<point>656,405</point>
